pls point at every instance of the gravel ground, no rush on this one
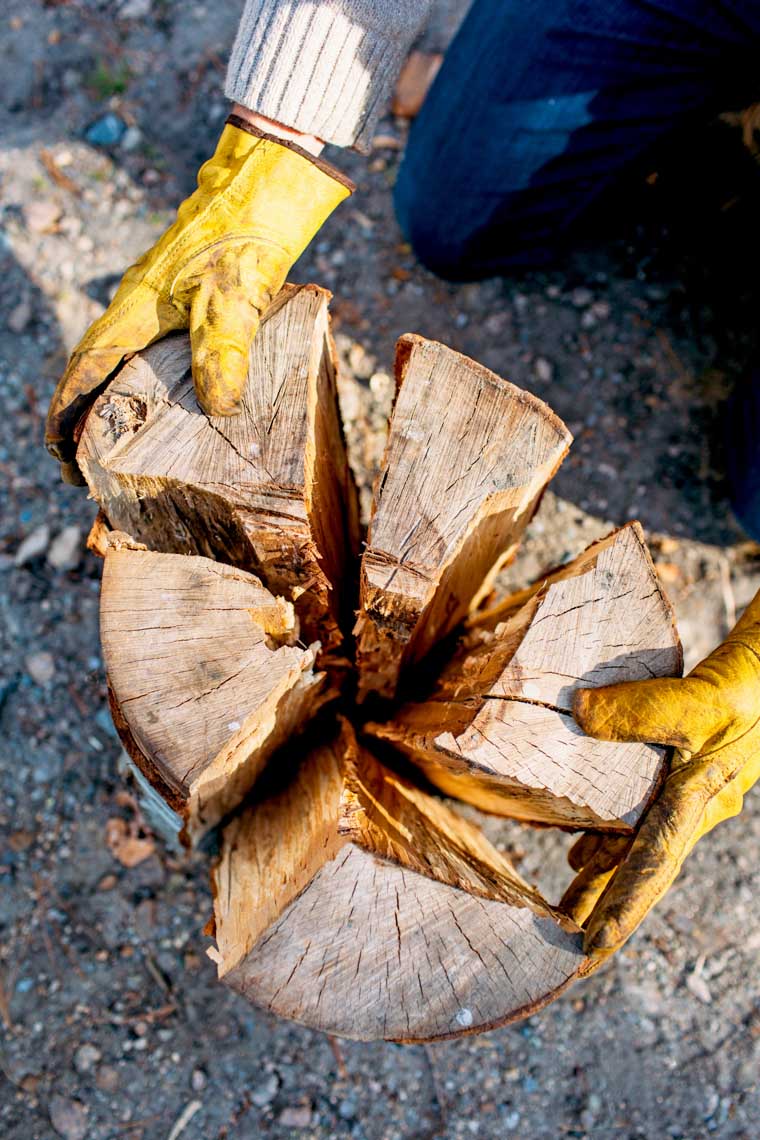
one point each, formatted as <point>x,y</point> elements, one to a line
<point>112,1023</point>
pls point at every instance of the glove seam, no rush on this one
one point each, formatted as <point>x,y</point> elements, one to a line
<point>315,160</point>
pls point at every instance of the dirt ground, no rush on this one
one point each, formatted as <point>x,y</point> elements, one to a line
<point>111,1022</point>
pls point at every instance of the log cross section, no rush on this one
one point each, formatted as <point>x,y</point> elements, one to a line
<point>206,680</point>
<point>348,894</point>
<point>360,905</point>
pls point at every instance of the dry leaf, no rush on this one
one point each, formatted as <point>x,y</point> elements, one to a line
<point>126,844</point>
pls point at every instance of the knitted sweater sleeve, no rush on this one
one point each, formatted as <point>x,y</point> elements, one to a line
<point>323,67</point>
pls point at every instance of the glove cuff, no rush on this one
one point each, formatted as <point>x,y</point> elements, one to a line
<point>242,124</point>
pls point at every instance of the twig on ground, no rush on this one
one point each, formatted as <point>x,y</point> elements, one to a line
<point>58,176</point>
<point>184,1118</point>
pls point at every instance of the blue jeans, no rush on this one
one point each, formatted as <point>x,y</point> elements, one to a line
<point>540,107</point>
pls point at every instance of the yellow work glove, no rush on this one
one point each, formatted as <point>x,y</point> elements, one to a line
<point>712,718</point>
<point>258,204</point>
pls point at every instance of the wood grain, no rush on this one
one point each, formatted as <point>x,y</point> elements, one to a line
<point>497,729</point>
<point>468,456</point>
<point>357,904</point>
<point>205,679</point>
<point>268,490</point>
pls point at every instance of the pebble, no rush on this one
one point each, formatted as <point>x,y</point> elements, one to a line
<point>41,215</point>
<point>697,985</point>
<point>360,362</point>
<point>296,1117</point>
<point>198,1080</point>
<point>40,667</point>
<point>543,369</point>
<point>65,551</point>
<point>86,1058</point>
<point>33,546</point>
<point>68,1117</point>
<point>106,131</point>
<point>266,1091</point>
<point>20,316</point>
<point>581,297</point>
<point>107,1078</point>
<point>135,9</point>
<point>347,1109</point>
<point>131,139</point>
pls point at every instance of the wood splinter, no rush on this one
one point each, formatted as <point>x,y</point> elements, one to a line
<point>204,675</point>
<point>268,490</point>
<point>357,904</point>
<point>467,458</point>
<point>497,731</point>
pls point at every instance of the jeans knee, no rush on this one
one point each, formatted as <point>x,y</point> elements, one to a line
<point>427,225</point>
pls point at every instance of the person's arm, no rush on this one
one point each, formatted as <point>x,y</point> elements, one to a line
<point>712,719</point>
<point>323,67</point>
<point>302,73</point>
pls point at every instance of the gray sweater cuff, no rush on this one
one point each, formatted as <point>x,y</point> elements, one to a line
<point>322,67</point>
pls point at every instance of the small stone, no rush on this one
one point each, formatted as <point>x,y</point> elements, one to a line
<point>106,131</point>
<point>347,1109</point>
<point>296,1117</point>
<point>543,369</point>
<point>360,362</point>
<point>132,138</point>
<point>198,1080</point>
<point>68,1117</point>
<point>41,215</point>
<point>107,1078</point>
<point>65,551</point>
<point>20,316</point>
<point>581,297</point>
<point>266,1091</point>
<point>588,320</point>
<point>135,9</point>
<point>601,310</point>
<point>697,985</point>
<point>33,546</point>
<point>86,1058</point>
<point>386,142</point>
<point>40,667</point>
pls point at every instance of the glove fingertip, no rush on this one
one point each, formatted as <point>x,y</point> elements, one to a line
<point>603,937</point>
<point>590,712</point>
<point>220,380</point>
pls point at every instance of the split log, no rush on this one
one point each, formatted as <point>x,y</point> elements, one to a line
<point>497,730</point>
<point>468,456</point>
<point>357,904</point>
<point>268,490</point>
<point>205,678</point>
